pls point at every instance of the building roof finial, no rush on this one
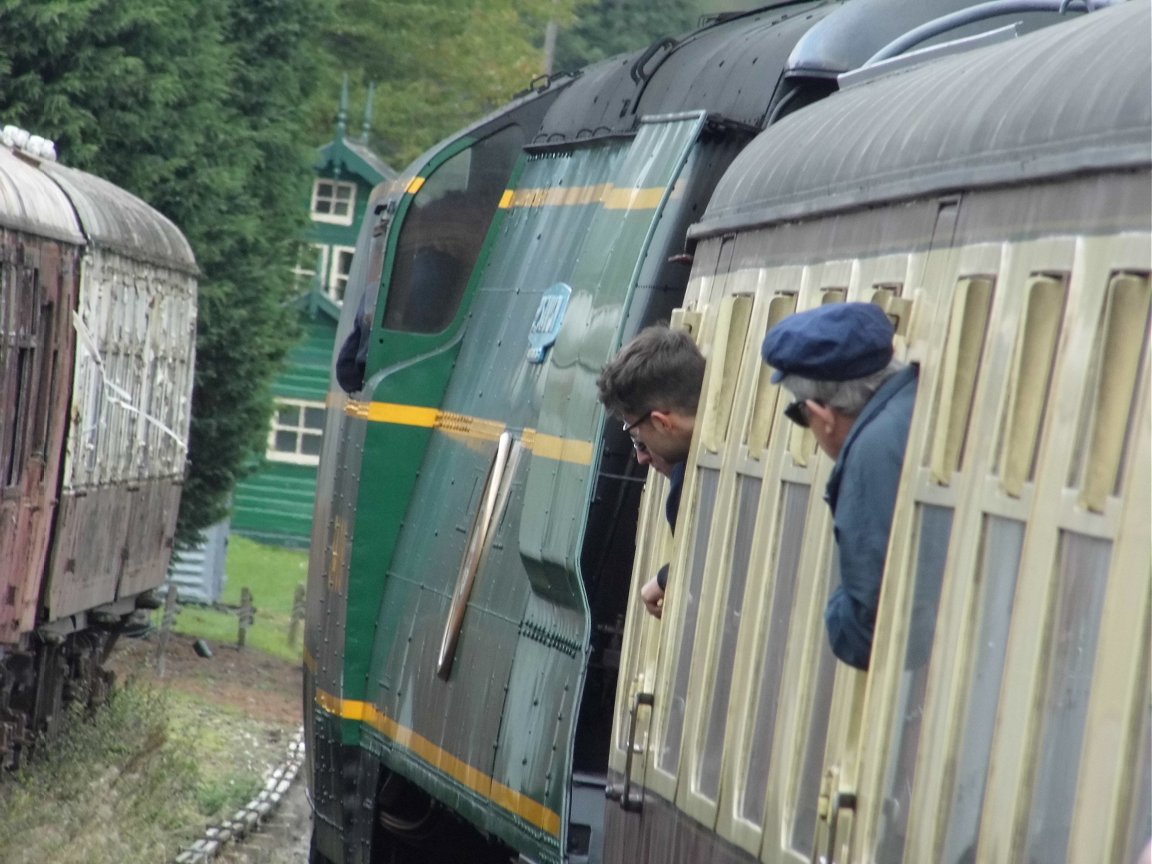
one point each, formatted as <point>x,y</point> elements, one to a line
<point>367,127</point>
<point>342,117</point>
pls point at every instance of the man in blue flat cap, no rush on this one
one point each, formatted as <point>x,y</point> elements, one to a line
<point>837,362</point>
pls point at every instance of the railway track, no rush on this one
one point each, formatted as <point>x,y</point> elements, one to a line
<point>275,826</point>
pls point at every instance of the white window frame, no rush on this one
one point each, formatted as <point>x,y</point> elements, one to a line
<point>336,278</point>
<point>304,273</point>
<point>301,431</point>
<point>333,200</point>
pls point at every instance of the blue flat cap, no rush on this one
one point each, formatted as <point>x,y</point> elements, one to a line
<point>837,342</point>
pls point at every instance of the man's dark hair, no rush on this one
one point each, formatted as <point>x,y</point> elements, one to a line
<point>660,370</point>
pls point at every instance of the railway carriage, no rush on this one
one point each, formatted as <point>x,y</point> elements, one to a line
<point>474,536</point>
<point>97,322</point>
<point>1003,223</point>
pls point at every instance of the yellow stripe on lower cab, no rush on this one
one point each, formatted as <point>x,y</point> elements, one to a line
<point>502,796</point>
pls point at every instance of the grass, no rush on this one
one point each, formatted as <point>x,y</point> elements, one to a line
<point>140,780</point>
<point>271,574</point>
<point>132,784</point>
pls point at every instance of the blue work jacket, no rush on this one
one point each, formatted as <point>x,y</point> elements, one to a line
<point>862,494</point>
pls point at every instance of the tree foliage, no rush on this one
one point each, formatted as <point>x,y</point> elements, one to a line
<point>210,110</point>
<point>195,107</point>
<point>437,64</point>
<point>605,28</point>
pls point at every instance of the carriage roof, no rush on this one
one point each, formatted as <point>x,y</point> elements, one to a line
<point>1076,97</point>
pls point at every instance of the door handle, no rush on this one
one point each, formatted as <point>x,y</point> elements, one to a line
<point>840,801</point>
<point>832,802</point>
<point>629,800</point>
<point>472,555</point>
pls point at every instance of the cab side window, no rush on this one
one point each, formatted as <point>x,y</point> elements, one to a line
<point>443,232</point>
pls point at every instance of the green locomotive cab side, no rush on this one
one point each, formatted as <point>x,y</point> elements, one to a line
<point>407,362</point>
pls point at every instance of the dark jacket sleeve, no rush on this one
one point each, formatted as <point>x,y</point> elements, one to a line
<point>350,364</point>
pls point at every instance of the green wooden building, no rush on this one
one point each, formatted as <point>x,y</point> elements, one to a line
<point>274,504</point>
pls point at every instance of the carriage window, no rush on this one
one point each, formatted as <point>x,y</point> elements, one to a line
<point>1002,542</point>
<point>960,366</point>
<point>767,393</point>
<point>1031,376</point>
<point>1140,805</point>
<point>1122,343</point>
<point>812,770</point>
<point>1075,625</point>
<point>668,757</point>
<point>887,295</point>
<point>794,512</point>
<point>18,337</point>
<point>727,349</point>
<point>443,231</point>
<point>935,529</point>
<point>884,293</point>
<point>749,499</point>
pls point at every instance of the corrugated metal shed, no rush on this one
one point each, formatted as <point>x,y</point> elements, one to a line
<point>199,573</point>
<point>1056,109</point>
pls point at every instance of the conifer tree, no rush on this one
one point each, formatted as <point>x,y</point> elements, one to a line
<point>194,107</point>
<point>605,28</point>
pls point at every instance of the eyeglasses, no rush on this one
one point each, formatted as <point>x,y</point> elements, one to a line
<point>797,412</point>
<point>637,445</point>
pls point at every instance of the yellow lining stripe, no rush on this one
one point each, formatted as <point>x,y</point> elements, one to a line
<point>390,412</point>
<point>502,796</point>
<point>461,425</point>
<point>612,197</point>
<point>415,185</point>
<point>560,449</point>
<point>634,199</point>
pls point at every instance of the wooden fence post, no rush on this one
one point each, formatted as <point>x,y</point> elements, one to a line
<point>167,620</point>
<point>297,614</point>
<point>247,616</point>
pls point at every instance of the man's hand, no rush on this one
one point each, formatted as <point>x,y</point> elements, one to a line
<point>653,596</point>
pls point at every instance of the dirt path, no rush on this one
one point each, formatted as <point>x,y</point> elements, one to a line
<point>265,688</point>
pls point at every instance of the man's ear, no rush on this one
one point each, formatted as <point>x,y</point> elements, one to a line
<point>663,419</point>
<point>820,414</point>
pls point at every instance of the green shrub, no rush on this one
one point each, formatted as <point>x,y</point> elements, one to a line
<point>137,781</point>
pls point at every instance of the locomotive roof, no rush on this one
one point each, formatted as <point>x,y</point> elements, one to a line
<point>115,219</point>
<point>733,66</point>
<point>30,201</point>
<point>1069,98</point>
<point>729,68</point>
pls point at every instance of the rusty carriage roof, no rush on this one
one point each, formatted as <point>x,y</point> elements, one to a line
<point>117,220</point>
